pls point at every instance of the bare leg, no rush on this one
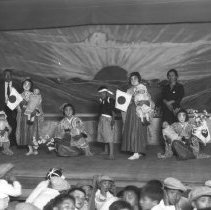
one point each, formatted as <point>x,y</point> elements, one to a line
<point>30,152</point>
<point>111,151</point>
<point>6,148</point>
<point>88,152</point>
<point>105,152</point>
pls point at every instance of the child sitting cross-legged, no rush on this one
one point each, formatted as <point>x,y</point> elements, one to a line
<point>152,199</point>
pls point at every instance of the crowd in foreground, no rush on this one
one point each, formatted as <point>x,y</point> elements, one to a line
<point>56,193</point>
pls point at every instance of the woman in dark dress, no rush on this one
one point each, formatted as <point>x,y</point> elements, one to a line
<point>172,96</point>
<point>134,137</point>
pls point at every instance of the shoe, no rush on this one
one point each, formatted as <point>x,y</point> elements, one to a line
<point>135,156</point>
<point>35,153</point>
<point>29,153</point>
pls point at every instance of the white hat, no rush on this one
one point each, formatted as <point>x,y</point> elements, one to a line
<point>175,184</point>
<point>198,192</point>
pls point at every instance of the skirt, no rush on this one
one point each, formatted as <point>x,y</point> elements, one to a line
<point>134,137</point>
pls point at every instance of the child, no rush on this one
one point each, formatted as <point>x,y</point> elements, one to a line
<point>152,199</point>
<point>144,106</point>
<point>103,194</point>
<point>5,131</point>
<point>34,103</point>
<point>106,122</point>
<point>200,197</point>
<point>71,136</point>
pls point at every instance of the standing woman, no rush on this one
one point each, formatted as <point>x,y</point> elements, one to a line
<point>172,96</point>
<point>134,131</point>
<point>27,131</point>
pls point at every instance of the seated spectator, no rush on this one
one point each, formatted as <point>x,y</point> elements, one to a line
<point>152,198</point>
<point>173,194</point>
<point>80,198</point>
<point>131,195</point>
<point>120,205</point>
<point>104,192</point>
<point>200,197</point>
<point>47,190</point>
<point>61,202</point>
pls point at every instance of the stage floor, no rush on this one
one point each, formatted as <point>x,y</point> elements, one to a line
<point>31,169</point>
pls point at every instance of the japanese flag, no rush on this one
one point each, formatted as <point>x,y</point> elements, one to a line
<point>14,99</point>
<point>122,100</point>
<point>202,132</point>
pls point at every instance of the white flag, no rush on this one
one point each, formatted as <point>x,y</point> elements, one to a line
<point>122,100</point>
<point>14,99</point>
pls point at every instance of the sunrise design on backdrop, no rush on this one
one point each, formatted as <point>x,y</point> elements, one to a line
<point>69,64</point>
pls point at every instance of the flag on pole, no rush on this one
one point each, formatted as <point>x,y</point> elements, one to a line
<point>14,99</point>
<point>122,100</point>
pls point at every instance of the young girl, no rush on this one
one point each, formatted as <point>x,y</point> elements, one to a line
<point>105,133</point>
<point>5,130</point>
<point>70,135</point>
<point>187,147</point>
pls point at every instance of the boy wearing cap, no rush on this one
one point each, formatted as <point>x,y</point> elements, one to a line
<point>173,191</point>
<point>105,133</point>
<point>103,194</point>
<point>200,197</point>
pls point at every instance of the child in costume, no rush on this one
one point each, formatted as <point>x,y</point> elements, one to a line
<point>34,103</point>
<point>144,105</point>
<point>104,192</point>
<point>105,133</point>
<point>5,130</point>
<point>70,138</point>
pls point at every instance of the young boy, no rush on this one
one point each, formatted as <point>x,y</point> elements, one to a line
<point>103,194</point>
<point>106,121</point>
<point>200,197</point>
<point>152,199</point>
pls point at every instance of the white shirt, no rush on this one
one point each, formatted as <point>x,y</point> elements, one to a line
<point>41,195</point>
<point>161,206</point>
<point>13,189</point>
<point>101,199</point>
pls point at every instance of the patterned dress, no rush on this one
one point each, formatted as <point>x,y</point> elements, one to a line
<point>70,137</point>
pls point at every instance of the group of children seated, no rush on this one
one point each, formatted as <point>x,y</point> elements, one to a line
<point>56,193</point>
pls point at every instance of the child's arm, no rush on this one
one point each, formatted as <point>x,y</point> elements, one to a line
<point>8,128</point>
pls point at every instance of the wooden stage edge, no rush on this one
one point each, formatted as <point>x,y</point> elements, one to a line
<point>30,170</point>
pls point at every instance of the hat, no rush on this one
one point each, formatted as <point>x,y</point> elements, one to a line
<point>104,89</point>
<point>25,206</point>
<point>5,168</point>
<point>198,192</point>
<point>104,178</point>
<point>54,172</point>
<point>59,183</point>
<point>208,183</point>
<point>175,184</point>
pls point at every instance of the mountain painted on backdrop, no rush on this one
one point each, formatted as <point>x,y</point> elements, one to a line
<point>83,94</point>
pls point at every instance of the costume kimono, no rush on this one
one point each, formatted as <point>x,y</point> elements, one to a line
<point>70,137</point>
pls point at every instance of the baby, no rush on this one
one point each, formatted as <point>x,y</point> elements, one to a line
<point>168,133</point>
<point>143,103</point>
<point>34,103</point>
<point>5,130</point>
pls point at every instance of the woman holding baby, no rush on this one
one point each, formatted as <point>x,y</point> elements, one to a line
<point>29,116</point>
<point>134,137</point>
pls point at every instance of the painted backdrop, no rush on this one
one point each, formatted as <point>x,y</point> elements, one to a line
<point>69,64</point>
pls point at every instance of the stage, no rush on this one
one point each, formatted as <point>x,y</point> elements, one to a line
<point>32,169</point>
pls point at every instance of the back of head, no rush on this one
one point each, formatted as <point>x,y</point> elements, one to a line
<point>155,183</point>
<point>120,205</point>
<point>153,192</point>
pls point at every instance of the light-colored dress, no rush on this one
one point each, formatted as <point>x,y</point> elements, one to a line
<point>70,137</point>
